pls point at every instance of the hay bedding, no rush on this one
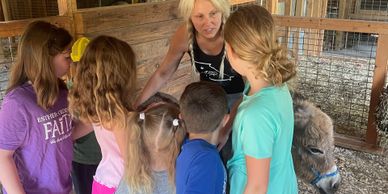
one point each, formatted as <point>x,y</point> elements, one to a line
<point>361,173</point>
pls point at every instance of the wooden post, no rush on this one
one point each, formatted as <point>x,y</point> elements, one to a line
<point>5,6</point>
<point>321,33</point>
<point>357,7</point>
<point>380,72</point>
<point>309,34</point>
<point>1,12</point>
<point>287,7</point>
<point>272,6</point>
<point>67,7</point>
<point>339,37</point>
<point>296,34</point>
<point>287,12</point>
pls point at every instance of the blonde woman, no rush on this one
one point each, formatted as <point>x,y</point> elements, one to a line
<point>153,145</point>
<point>103,80</point>
<point>264,125</point>
<point>202,37</point>
<point>36,147</point>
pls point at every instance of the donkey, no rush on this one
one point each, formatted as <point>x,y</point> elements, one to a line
<point>313,146</point>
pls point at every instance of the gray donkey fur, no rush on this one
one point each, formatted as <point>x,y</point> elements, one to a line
<point>313,145</point>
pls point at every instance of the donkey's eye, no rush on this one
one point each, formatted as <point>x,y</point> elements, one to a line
<point>314,151</point>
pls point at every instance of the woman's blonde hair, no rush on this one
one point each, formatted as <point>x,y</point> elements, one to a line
<point>250,31</point>
<point>39,44</point>
<point>159,130</point>
<point>104,81</point>
<point>186,7</point>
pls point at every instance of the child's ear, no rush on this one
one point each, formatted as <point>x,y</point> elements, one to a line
<point>180,116</point>
<point>225,120</point>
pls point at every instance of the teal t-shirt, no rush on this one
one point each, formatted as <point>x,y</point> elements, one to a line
<point>263,128</point>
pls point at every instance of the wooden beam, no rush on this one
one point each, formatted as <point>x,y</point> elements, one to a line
<point>141,33</point>
<point>100,19</point>
<point>355,143</point>
<point>378,83</point>
<point>333,24</point>
<point>16,28</point>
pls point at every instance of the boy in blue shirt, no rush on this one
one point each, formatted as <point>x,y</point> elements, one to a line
<point>199,168</point>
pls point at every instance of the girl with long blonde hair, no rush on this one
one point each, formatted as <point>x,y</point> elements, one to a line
<point>264,124</point>
<point>153,145</point>
<point>104,80</point>
<point>35,126</point>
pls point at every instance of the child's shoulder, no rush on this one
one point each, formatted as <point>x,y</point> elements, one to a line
<point>20,94</point>
<point>200,150</point>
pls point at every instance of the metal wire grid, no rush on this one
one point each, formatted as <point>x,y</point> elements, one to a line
<point>22,9</point>
<point>372,10</point>
<point>256,2</point>
<point>7,57</point>
<point>332,8</point>
<point>339,81</point>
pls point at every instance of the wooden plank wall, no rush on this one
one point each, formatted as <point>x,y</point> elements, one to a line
<point>146,27</point>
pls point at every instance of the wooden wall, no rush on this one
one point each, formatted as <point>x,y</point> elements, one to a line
<point>146,27</point>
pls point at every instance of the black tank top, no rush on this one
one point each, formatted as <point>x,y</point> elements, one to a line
<point>209,68</point>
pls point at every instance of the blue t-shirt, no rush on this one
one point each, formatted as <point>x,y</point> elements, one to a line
<point>263,128</point>
<point>199,169</point>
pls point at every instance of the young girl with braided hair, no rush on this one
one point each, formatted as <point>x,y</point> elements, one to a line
<point>264,125</point>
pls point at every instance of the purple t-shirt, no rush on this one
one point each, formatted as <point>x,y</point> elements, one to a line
<point>41,140</point>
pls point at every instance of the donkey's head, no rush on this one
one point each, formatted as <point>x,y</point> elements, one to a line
<point>313,146</point>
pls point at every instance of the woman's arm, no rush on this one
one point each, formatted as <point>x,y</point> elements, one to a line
<point>178,47</point>
<point>258,175</point>
<point>9,175</point>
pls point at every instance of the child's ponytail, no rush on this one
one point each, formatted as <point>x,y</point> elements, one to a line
<point>137,173</point>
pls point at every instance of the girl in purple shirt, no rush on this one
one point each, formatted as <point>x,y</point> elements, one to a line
<point>35,125</point>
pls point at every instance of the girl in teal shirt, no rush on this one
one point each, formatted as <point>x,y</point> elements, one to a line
<point>264,125</point>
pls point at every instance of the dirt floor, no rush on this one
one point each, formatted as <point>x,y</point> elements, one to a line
<point>361,173</point>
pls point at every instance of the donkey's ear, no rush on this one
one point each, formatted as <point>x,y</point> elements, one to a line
<point>302,116</point>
